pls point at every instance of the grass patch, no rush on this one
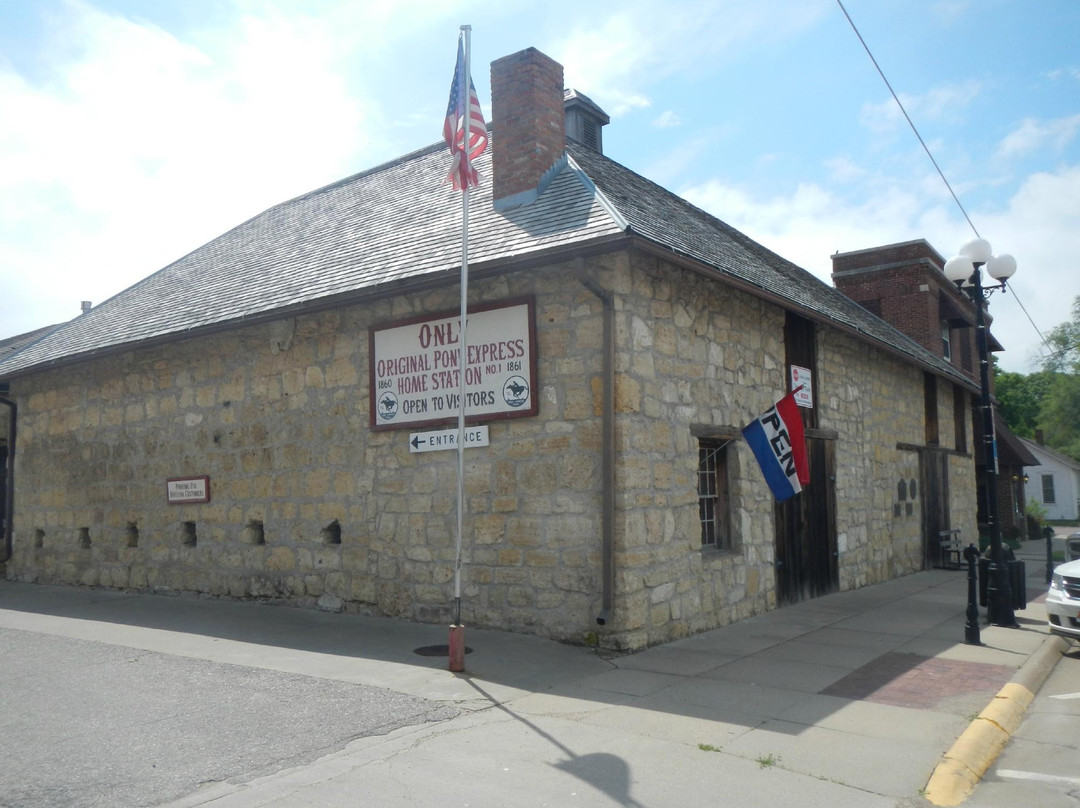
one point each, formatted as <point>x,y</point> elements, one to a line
<point>765,761</point>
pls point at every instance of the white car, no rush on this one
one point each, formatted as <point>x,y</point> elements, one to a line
<point>1063,601</point>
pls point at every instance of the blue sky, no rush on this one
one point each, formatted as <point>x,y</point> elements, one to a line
<point>134,131</point>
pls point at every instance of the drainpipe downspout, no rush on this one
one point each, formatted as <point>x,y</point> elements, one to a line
<point>9,489</point>
<point>607,446</point>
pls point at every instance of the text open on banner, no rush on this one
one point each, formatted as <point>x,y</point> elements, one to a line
<point>414,374</point>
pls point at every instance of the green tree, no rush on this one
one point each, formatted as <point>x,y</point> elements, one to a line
<point>1059,415</point>
<point>1064,343</point>
<point>1021,399</point>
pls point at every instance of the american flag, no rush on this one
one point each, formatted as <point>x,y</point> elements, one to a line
<point>462,174</point>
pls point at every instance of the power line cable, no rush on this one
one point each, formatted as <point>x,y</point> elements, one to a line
<point>926,148</point>
<point>900,104</point>
<point>1037,331</point>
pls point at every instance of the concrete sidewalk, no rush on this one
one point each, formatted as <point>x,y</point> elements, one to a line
<point>851,699</point>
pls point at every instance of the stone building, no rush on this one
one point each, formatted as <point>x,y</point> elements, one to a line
<point>8,419</point>
<point>246,422</point>
<point>905,286</point>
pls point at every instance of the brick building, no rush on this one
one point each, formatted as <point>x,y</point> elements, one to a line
<point>246,422</point>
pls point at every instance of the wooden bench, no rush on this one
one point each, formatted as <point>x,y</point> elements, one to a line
<point>952,549</point>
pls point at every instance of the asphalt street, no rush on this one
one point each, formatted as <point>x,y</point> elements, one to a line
<point>851,700</point>
<point>1039,768</point>
<point>91,724</point>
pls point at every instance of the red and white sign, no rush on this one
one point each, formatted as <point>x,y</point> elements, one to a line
<point>802,377</point>
<point>414,373</point>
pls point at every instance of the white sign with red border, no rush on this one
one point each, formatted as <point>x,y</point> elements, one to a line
<point>414,375</point>
<point>802,377</point>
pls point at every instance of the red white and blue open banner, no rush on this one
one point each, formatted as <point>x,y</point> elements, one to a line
<point>777,440</point>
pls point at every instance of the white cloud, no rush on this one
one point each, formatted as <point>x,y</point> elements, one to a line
<point>1040,227</point>
<point>1064,73</point>
<point>619,55</point>
<point>950,11</point>
<point>845,170</point>
<point>136,131</point>
<point>811,223</point>
<point>1034,135</point>
<point>668,120</point>
<point>682,155</point>
<point>945,102</point>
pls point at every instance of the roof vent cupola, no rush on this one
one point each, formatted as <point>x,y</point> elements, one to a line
<point>584,120</point>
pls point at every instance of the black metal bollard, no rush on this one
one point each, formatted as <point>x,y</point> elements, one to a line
<point>971,627</point>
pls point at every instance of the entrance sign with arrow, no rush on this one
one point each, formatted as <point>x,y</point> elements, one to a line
<point>442,439</point>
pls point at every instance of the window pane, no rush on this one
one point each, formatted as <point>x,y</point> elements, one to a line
<point>1048,488</point>
<point>713,494</point>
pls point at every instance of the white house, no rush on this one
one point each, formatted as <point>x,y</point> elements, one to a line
<point>1054,483</point>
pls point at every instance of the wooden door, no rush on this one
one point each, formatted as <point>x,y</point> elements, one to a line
<point>806,553</point>
<point>934,473</point>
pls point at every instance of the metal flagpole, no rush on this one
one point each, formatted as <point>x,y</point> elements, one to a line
<point>457,640</point>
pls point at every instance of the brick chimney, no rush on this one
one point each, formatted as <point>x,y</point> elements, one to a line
<point>528,144</point>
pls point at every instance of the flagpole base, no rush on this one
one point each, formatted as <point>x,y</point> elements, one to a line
<point>457,649</point>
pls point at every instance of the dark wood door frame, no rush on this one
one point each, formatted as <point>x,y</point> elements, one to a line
<point>807,558</point>
<point>935,508</point>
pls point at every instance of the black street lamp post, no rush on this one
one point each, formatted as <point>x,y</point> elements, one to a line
<point>965,270</point>
<point>971,626</point>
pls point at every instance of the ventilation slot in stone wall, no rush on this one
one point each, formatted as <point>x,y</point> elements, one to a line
<point>253,533</point>
<point>131,535</point>
<point>84,538</point>
<point>39,538</point>
<point>187,534</point>
<point>331,534</point>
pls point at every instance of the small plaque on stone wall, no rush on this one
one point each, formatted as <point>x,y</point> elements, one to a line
<point>187,490</point>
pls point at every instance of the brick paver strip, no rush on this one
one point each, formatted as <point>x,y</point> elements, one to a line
<point>910,680</point>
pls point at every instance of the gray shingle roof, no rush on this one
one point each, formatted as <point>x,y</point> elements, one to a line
<point>668,220</point>
<point>399,222</point>
<point>393,222</point>
<point>1032,447</point>
<point>12,345</point>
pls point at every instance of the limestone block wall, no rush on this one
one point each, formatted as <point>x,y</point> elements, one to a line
<point>307,502</point>
<point>691,352</point>
<point>963,497</point>
<point>875,402</point>
<point>309,505</point>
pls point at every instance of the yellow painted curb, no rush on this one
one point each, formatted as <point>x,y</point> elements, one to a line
<point>978,747</point>
<point>1008,707</point>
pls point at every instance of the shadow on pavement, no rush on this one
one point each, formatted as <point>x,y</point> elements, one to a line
<point>784,670</point>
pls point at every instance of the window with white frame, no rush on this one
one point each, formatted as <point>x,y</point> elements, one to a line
<point>1048,489</point>
<point>713,494</point>
<point>946,341</point>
